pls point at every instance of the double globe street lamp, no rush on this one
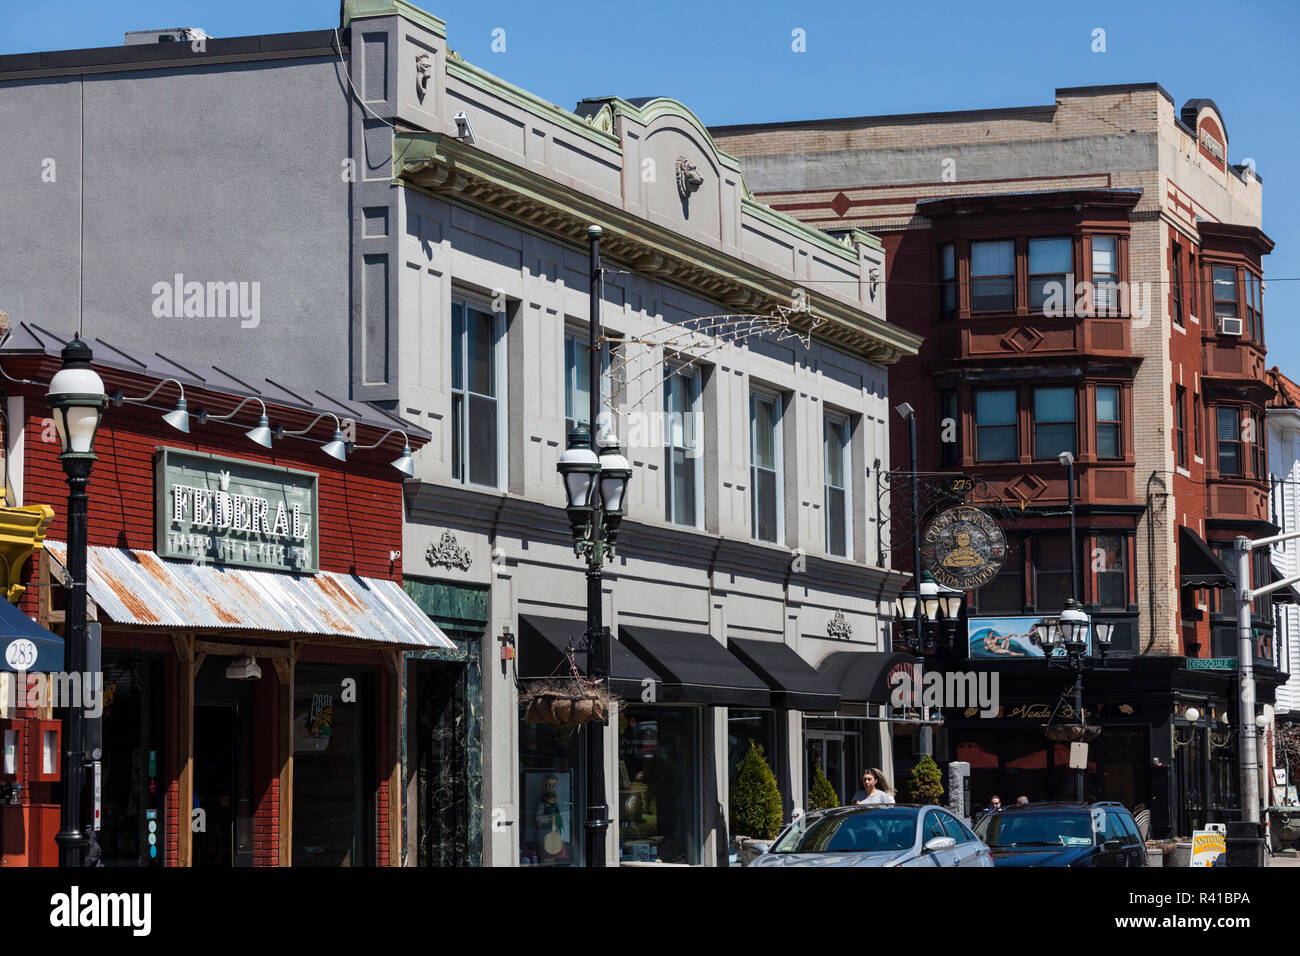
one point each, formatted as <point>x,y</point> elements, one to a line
<point>938,604</point>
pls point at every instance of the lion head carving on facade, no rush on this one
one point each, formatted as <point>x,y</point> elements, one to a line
<point>688,177</point>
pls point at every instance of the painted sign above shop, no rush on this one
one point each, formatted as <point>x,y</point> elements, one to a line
<point>223,511</point>
<point>964,548</point>
<point>1010,638</point>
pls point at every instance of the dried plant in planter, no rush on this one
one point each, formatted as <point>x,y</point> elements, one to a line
<point>565,701</point>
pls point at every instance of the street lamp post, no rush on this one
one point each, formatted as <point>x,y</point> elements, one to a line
<point>595,475</point>
<point>1067,459</point>
<point>76,399</point>
<point>1071,633</point>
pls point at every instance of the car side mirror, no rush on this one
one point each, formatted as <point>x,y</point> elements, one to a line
<point>939,843</point>
<point>759,846</point>
<point>1112,846</point>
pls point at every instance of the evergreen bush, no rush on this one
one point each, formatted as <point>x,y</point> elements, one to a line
<point>926,783</point>
<point>755,798</point>
<point>822,796</point>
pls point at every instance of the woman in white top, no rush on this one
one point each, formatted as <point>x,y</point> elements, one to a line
<point>875,788</point>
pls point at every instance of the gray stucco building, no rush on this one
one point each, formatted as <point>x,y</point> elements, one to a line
<point>400,260</point>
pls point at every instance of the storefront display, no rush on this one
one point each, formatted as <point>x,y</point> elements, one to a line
<point>550,788</point>
<point>659,784</point>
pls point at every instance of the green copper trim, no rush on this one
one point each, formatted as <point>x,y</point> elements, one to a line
<point>359,9</point>
<point>531,102</point>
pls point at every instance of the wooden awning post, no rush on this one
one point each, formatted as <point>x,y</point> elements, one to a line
<point>184,644</point>
<point>393,658</point>
<point>284,667</point>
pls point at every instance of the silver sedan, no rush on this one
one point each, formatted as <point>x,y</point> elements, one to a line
<point>878,835</point>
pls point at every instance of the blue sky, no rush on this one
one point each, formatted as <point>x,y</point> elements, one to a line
<point>733,63</point>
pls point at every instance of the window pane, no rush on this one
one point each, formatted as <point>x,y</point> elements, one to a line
<point>1003,595</point>
<point>482,440</point>
<point>988,295</point>
<point>835,522</point>
<point>1225,291</point>
<point>995,408</point>
<point>1051,572</point>
<point>1228,428</point>
<point>993,258</point>
<point>1053,404</point>
<point>458,437</point>
<point>457,345</point>
<point>1107,441</point>
<point>479,333</point>
<point>1050,256</point>
<point>996,443</point>
<point>947,262</point>
<point>1108,403</point>
<point>764,432</point>
<point>577,378</point>
<point>1103,254</point>
<point>1112,589</point>
<point>834,438</point>
<point>681,487</point>
<point>1051,440</point>
<point>764,504</point>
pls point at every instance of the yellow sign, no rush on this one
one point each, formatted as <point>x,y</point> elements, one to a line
<point>1207,845</point>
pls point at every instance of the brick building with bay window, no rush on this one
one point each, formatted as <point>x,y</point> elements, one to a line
<point>1088,278</point>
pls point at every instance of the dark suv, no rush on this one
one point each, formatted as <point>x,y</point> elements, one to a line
<point>1063,834</point>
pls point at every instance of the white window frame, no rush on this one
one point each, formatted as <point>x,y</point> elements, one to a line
<point>500,368</point>
<point>847,468</point>
<point>759,394</point>
<point>581,337</point>
<point>674,368</point>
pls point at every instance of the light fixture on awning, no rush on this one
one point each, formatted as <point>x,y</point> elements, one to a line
<point>261,434</point>
<point>404,463</point>
<point>178,418</point>
<point>244,668</point>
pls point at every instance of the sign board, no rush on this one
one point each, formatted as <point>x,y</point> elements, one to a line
<point>1279,776</point>
<point>1207,844</point>
<point>1211,663</point>
<point>963,548</point>
<point>1078,755</point>
<point>1009,638</point>
<point>228,512</point>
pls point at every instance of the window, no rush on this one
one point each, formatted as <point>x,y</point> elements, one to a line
<point>1051,265</point>
<point>765,466</point>
<point>1052,585</point>
<point>995,426</point>
<point>577,381</point>
<point>1053,422</point>
<point>993,276</point>
<point>1255,307</point>
<point>1229,435</point>
<point>1260,448</point>
<point>1105,276</point>
<point>1198,441</point>
<point>839,509</point>
<point>1225,291</point>
<point>1180,425</point>
<point>947,280</point>
<point>1176,283</point>
<point>1109,440</point>
<point>1194,297</point>
<point>683,474</point>
<point>475,407</point>
<point>949,433</point>
<point>1110,556</point>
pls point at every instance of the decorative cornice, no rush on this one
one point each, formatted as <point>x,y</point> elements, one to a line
<point>359,9</point>
<point>442,165</point>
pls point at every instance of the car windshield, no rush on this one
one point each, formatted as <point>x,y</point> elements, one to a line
<point>1036,829</point>
<point>862,832</point>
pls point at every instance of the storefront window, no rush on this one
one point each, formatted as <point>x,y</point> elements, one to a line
<point>659,784</point>
<point>133,775</point>
<point>744,726</point>
<point>551,785</point>
<point>332,807</point>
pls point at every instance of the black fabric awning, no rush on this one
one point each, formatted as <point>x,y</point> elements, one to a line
<point>27,646</point>
<point>863,675</point>
<point>1200,567</point>
<point>542,641</point>
<point>695,668</point>
<point>794,682</point>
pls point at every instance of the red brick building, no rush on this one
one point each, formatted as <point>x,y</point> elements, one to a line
<point>1149,370</point>
<point>251,608</point>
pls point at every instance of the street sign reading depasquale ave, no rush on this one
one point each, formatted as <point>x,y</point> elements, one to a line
<point>963,548</point>
<point>225,511</point>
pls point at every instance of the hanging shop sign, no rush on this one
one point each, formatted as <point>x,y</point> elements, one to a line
<point>223,511</point>
<point>963,548</point>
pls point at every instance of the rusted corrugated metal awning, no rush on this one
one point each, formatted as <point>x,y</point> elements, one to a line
<point>138,587</point>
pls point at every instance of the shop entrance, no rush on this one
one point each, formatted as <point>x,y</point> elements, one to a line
<point>831,751</point>
<point>222,818</point>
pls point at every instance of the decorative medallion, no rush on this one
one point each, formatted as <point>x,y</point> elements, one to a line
<point>839,627</point>
<point>448,553</point>
<point>688,177</point>
<point>423,73</point>
<point>963,548</point>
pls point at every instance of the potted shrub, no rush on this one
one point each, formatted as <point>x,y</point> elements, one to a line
<point>926,783</point>
<point>755,803</point>
<point>822,795</point>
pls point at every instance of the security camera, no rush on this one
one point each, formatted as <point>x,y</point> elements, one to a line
<point>464,132</point>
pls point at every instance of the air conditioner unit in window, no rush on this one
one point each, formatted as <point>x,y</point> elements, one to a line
<point>1229,326</point>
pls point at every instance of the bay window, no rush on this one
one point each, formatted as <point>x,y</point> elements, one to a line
<point>993,275</point>
<point>1105,276</point>
<point>1229,440</point>
<point>1054,422</point>
<point>995,426</point>
<point>1225,292</point>
<point>1051,264</point>
<point>947,280</point>
<point>1110,560</point>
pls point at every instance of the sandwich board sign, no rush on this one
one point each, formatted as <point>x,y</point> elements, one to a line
<point>1207,844</point>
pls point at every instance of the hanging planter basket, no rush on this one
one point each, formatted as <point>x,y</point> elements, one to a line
<point>1068,733</point>
<point>565,702</point>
